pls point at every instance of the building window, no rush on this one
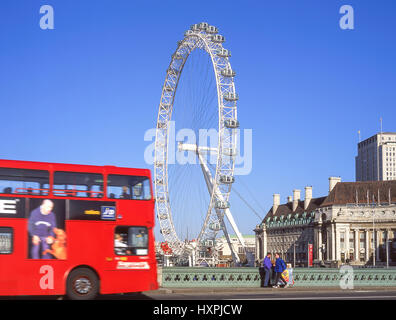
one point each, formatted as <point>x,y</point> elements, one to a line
<point>362,240</point>
<point>342,240</point>
<point>361,257</point>
<point>372,240</point>
<point>352,239</point>
<point>351,256</point>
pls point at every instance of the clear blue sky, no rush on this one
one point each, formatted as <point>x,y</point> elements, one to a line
<point>87,91</point>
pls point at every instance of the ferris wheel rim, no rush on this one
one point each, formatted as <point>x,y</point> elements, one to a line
<point>191,41</point>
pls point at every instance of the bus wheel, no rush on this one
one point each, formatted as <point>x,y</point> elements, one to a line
<point>82,284</point>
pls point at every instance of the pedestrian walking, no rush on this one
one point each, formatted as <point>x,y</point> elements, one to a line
<point>267,265</point>
<point>280,266</point>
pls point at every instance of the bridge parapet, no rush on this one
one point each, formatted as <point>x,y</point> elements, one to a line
<point>178,277</point>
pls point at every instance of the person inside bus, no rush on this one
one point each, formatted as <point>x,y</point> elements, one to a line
<point>120,247</point>
<point>125,194</point>
<point>40,226</point>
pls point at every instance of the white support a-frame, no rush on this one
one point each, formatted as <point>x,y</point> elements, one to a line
<point>210,185</point>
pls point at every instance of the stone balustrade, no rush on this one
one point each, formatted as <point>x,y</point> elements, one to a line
<point>199,277</point>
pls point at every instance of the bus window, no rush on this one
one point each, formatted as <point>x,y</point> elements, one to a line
<point>128,187</point>
<point>76,184</point>
<point>24,181</point>
<point>6,240</point>
<point>131,241</point>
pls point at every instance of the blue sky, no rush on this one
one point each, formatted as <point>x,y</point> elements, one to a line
<point>87,91</point>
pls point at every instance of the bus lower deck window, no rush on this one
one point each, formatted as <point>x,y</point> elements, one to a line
<point>6,240</point>
<point>131,241</point>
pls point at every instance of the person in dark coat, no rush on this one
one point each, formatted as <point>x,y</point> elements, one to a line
<point>265,271</point>
<point>280,266</point>
<point>267,265</point>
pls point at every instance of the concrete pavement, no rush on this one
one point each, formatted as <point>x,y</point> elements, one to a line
<point>291,293</point>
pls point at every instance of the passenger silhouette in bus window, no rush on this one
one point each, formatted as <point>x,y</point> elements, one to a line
<point>137,191</point>
<point>41,227</point>
<point>125,193</point>
<point>120,245</point>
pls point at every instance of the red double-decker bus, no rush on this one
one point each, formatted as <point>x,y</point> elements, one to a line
<point>78,230</point>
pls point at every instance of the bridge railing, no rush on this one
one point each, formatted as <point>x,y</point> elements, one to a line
<point>184,277</point>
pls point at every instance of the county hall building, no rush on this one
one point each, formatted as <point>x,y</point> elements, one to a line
<point>351,224</point>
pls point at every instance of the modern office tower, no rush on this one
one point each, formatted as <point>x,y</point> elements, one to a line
<point>376,159</point>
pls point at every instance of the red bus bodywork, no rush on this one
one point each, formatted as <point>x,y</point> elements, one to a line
<point>89,243</point>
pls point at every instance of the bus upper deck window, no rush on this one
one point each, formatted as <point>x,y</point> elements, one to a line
<point>24,181</point>
<point>77,184</point>
<point>128,187</point>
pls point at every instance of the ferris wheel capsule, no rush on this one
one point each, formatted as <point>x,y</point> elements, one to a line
<point>218,38</point>
<point>224,53</point>
<point>215,226</point>
<point>227,179</point>
<point>211,29</point>
<point>195,27</point>
<point>203,25</point>
<point>231,96</point>
<point>231,123</point>
<point>228,72</point>
<point>220,204</point>
<point>188,33</point>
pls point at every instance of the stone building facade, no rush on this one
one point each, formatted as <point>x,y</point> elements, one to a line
<point>340,226</point>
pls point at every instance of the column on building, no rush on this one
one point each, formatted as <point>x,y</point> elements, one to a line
<point>319,243</point>
<point>367,252</point>
<point>257,242</point>
<point>333,242</point>
<point>387,251</point>
<point>337,243</point>
<point>377,245</point>
<point>390,237</point>
<point>264,241</point>
<point>346,244</point>
<point>356,249</point>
